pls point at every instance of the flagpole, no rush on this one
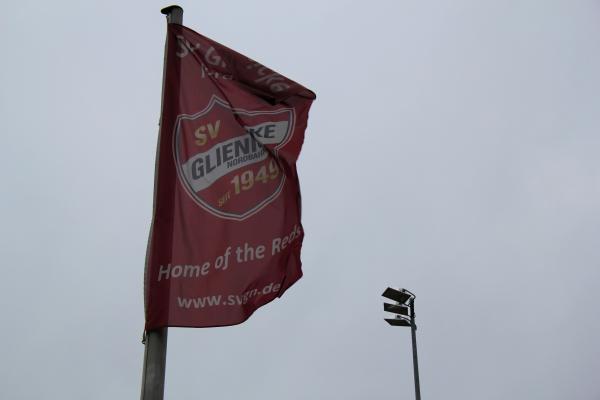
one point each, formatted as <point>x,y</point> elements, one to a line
<point>155,357</point>
<point>155,351</point>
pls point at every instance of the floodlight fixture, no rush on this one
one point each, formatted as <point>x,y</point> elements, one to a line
<point>398,321</point>
<point>402,296</point>
<point>396,309</point>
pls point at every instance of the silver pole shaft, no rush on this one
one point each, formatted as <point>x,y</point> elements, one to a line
<point>155,352</point>
<point>155,358</point>
<point>413,330</point>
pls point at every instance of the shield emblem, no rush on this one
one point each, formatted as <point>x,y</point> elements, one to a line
<point>227,158</point>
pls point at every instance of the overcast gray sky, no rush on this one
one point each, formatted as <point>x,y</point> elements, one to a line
<point>452,150</point>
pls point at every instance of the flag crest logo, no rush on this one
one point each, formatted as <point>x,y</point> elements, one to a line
<point>227,158</point>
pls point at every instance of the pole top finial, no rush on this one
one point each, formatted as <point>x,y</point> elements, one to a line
<point>174,14</point>
<point>168,10</point>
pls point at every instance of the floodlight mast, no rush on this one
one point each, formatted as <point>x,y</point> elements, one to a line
<point>413,331</point>
<point>405,316</point>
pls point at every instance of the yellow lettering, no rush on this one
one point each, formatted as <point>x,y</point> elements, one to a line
<point>213,131</point>
<point>200,136</point>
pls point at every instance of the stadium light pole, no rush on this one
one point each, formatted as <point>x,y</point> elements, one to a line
<point>404,310</point>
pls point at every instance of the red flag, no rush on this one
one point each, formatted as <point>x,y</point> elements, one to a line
<point>226,232</point>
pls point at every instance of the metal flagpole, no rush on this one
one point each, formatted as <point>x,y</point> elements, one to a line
<point>155,352</point>
<point>155,357</point>
<point>413,330</point>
